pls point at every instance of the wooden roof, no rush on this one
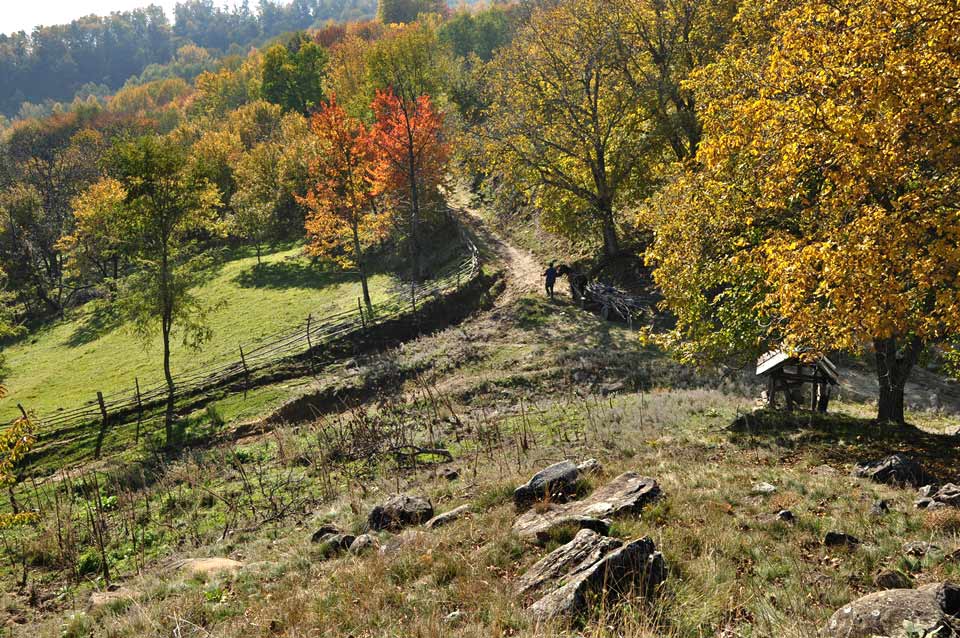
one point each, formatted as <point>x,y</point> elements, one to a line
<point>776,359</point>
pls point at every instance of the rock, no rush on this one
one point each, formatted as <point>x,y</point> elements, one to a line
<point>785,516</point>
<point>323,532</point>
<point>880,508</point>
<point>113,594</point>
<point>837,539</point>
<point>635,566</point>
<point>930,610</point>
<point>448,517</point>
<point>893,470</point>
<point>400,510</point>
<point>919,548</point>
<point>332,544</point>
<point>555,482</point>
<point>948,494</point>
<point>764,489</point>
<point>206,566</point>
<point>892,579</point>
<point>362,543</point>
<point>586,548</point>
<point>626,494</point>
<point>927,491</point>
<point>590,466</point>
<point>450,473</point>
<point>454,617</point>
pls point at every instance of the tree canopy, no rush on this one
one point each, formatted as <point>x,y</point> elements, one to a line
<point>822,214</point>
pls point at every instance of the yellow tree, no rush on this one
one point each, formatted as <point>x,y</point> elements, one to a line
<point>564,120</point>
<point>824,212</point>
<point>343,215</point>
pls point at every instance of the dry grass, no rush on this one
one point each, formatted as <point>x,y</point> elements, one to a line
<point>734,569</point>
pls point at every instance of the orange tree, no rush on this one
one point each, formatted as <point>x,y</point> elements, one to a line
<point>343,215</point>
<point>412,157</point>
<point>824,210</point>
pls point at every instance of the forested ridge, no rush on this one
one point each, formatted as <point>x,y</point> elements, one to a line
<point>96,55</point>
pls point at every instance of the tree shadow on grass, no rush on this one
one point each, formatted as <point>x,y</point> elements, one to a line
<point>291,274</point>
<point>839,440</point>
<point>99,318</point>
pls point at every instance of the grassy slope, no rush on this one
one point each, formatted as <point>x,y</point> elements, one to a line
<point>66,363</point>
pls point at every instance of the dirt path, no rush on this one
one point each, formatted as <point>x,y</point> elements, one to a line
<point>523,271</point>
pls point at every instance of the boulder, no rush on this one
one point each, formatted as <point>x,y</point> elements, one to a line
<point>763,489</point>
<point>544,527</point>
<point>786,516</point>
<point>892,579</point>
<point>824,470</point>
<point>555,482</point>
<point>332,544</point>
<point>635,566</point>
<point>880,508</point>
<point>362,543</point>
<point>399,511</point>
<point>931,610</point>
<point>949,494</point>
<point>450,473</point>
<point>324,531</point>
<point>586,549</point>
<point>629,493</point>
<point>893,470</point>
<point>840,539</point>
<point>590,466</point>
<point>448,517</point>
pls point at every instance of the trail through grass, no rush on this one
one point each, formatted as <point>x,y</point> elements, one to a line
<point>66,363</point>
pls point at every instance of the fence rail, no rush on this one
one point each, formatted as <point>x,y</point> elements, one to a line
<point>127,406</point>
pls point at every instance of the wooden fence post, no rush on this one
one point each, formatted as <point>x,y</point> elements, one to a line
<point>136,439</point>
<point>103,426</point>
<point>246,373</point>
<point>363,322</point>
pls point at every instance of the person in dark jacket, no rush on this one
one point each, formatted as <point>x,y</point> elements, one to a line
<point>551,276</point>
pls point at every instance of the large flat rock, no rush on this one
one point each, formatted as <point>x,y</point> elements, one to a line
<point>399,511</point>
<point>626,494</point>
<point>633,567</point>
<point>586,548</point>
<point>899,613</point>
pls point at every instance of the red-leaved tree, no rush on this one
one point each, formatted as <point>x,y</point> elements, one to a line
<point>412,158</point>
<point>343,217</point>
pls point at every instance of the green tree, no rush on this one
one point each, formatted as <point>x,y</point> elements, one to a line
<point>293,74</point>
<point>564,119</point>
<point>165,207</point>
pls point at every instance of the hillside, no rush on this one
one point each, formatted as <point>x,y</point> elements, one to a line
<point>65,364</point>
<point>509,391</point>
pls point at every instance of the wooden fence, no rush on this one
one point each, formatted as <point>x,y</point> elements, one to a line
<point>131,405</point>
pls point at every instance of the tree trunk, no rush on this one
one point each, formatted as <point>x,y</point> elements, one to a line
<point>895,360</point>
<point>362,267</point>
<point>168,419</point>
<point>611,244</point>
<point>414,205</point>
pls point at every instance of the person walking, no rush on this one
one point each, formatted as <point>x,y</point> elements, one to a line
<point>551,276</point>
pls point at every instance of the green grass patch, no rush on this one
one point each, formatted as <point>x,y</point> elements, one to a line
<point>64,364</point>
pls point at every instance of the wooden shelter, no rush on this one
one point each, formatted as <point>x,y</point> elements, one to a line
<point>800,383</point>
